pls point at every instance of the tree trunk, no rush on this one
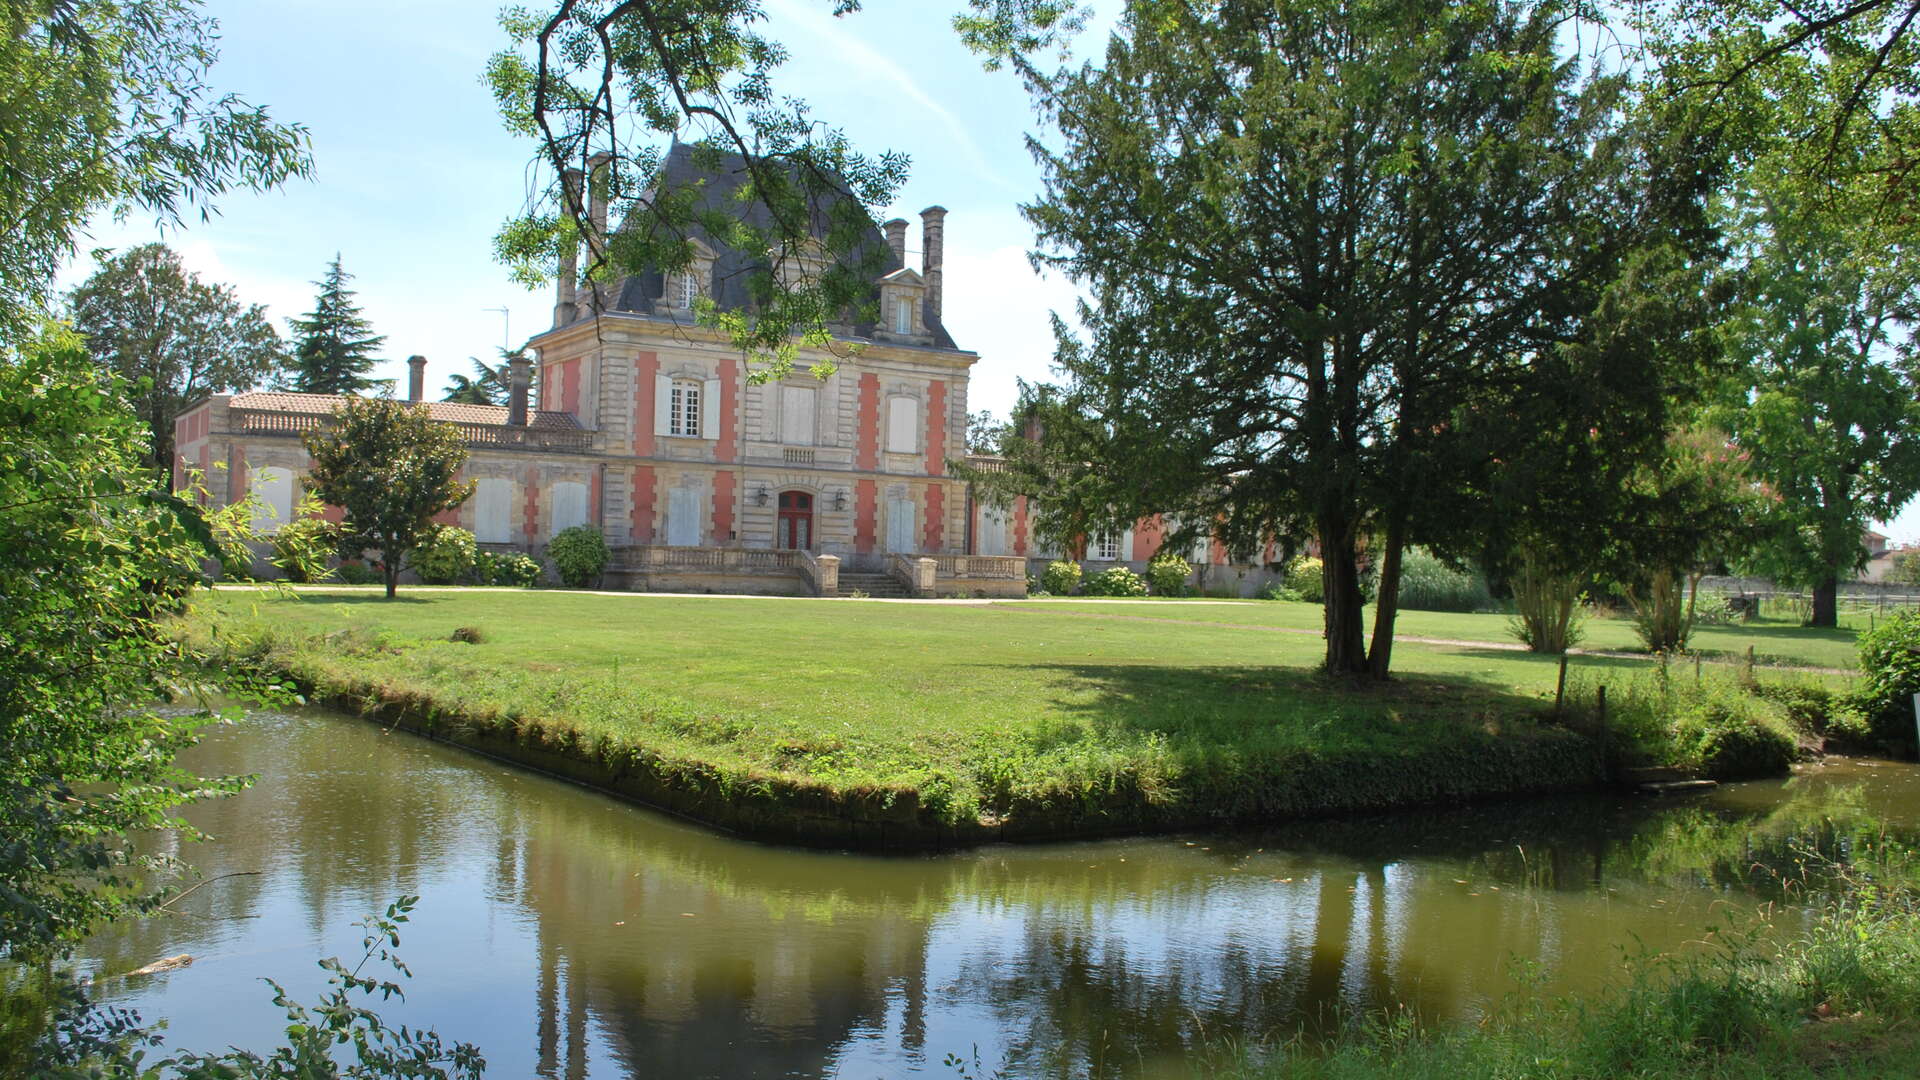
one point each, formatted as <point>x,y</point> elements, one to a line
<point>1345,614</point>
<point>1386,601</point>
<point>391,569</point>
<point>1826,604</point>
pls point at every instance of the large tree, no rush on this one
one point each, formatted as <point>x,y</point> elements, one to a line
<point>1827,406</point>
<point>333,345</point>
<point>1331,248</point>
<point>105,105</point>
<point>391,468</point>
<point>171,336</point>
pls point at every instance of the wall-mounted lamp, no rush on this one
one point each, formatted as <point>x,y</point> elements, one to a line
<point>840,499</point>
<point>760,497</point>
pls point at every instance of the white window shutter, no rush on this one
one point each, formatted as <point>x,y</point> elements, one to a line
<point>710,409</point>
<point>662,402</point>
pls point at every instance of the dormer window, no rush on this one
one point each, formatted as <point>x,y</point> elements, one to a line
<point>903,316</point>
<point>689,289</point>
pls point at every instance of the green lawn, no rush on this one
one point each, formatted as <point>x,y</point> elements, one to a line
<point>1777,642</point>
<point>980,710</point>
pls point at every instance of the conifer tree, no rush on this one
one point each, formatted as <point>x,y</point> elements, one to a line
<point>333,345</point>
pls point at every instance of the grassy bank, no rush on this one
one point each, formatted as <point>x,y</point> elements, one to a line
<point>1839,997</point>
<point>906,725</point>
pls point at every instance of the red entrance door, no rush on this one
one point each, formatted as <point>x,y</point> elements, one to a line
<point>795,529</point>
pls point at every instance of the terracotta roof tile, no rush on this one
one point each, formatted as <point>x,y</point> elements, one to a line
<point>452,412</point>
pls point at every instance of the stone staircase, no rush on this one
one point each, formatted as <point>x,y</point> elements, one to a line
<point>875,586</point>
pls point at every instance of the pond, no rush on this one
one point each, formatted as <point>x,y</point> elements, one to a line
<point>571,935</point>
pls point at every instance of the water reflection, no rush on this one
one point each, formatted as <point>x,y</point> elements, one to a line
<point>572,936</point>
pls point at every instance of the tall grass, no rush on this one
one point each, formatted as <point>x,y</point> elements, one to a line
<point>1546,608</point>
<point>1428,584</point>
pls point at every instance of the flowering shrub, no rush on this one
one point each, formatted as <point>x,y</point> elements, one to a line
<point>1061,578</point>
<point>1117,581</point>
<point>444,555</point>
<point>579,554</point>
<point>1168,573</point>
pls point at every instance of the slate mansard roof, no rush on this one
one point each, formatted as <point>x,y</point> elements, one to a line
<point>638,293</point>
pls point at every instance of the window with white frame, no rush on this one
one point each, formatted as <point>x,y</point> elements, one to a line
<point>273,487</point>
<point>903,316</point>
<point>689,289</point>
<point>569,504</point>
<point>798,407</point>
<point>492,510</point>
<point>1105,547</point>
<point>903,425</point>
<point>683,413</point>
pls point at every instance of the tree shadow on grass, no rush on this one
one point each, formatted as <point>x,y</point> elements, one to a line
<point>1586,663</point>
<point>375,598</point>
<point>1222,706</point>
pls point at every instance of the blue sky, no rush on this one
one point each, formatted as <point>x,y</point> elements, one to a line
<point>414,172</point>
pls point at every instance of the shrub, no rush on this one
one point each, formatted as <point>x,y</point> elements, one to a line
<point>1429,584</point>
<point>1304,580</point>
<point>1116,581</point>
<point>579,555</point>
<point>468,635</point>
<point>1061,578</point>
<point>1168,573</point>
<point>359,573</point>
<point>1890,662</point>
<point>1662,613</point>
<point>507,568</point>
<point>1034,587</point>
<point>444,555</point>
<point>1547,608</point>
<point>1278,590</point>
<point>1714,727</point>
<point>302,543</point>
<point>1727,735</point>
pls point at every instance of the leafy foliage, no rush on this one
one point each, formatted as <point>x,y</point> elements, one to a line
<point>391,468</point>
<point>92,558</point>
<point>314,1032</point>
<point>1904,567</point>
<point>333,345</point>
<point>1547,606</point>
<point>107,107</point>
<point>1428,584</point>
<point>305,543</point>
<point>1827,409</point>
<point>1890,666</point>
<point>1115,581</point>
<point>507,568</point>
<point>1061,577</point>
<point>171,337</point>
<point>601,85</point>
<point>579,555</point>
<point>1168,572</point>
<point>443,555</point>
<point>1272,229</point>
<point>1307,578</point>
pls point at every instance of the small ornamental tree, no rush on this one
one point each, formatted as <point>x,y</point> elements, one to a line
<point>391,468</point>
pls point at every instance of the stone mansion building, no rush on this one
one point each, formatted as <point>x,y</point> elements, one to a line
<point>647,427</point>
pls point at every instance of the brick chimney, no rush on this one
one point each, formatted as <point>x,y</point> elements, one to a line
<point>519,378</point>
<point>933,227</point>
<point>568,278</point>
<point>416,377</point>
<point>599,179</point>
<point>897,239</point>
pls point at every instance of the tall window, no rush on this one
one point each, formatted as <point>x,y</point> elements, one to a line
<point>903,425</point>
<point>903,316</point>
<point>1105,547</point>
<point>689,290</point>
<point>683,416</point>
<point>493,510</point>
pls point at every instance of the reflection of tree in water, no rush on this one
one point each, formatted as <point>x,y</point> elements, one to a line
<point>680,953</point>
